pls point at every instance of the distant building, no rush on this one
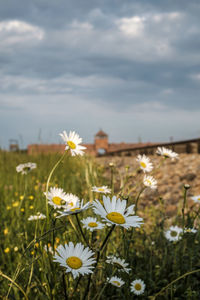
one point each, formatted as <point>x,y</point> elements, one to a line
<point>101,146</point>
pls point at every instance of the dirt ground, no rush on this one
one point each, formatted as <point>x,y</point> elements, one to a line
<point>171,177</point>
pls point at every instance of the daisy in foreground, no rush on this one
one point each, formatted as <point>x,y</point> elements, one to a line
<point>92,224</point>
<point>75,258</point>
<point>138,287</point>
<point>174,233</point>
<point>26,168</point>
<point>114,211</point>
<point>72,201</point>
<point>72,142</point>
<point>102,189</point>
<point>168,153</point>
<point>196,199</point>
<point>39,216</point>
<point>77,208</point>
<point>116,281</point>
<point>56,197</point>
<point>150,182</point>
<point>119,263</point>
<point>144,162</point>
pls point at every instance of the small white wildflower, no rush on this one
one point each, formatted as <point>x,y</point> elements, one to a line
<point>150,182</point>
<point>168,153</point>
<point>144,162</point>
<point>73,143</point>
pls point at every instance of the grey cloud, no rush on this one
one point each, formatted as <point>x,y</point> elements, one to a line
<point>86,59</point>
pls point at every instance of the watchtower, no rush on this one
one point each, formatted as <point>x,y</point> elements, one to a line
<point>101,142</point>
<point>13,145</point>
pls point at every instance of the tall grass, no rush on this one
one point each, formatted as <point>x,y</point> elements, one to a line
<point>170,270</point>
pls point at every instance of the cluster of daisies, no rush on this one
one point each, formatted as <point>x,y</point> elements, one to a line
<point>175,233</point>
<point>79,260</point>
<point>137,286</point>
<point>146,165</point>
<point>76,258</point>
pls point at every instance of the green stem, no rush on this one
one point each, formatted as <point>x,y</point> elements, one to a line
<point>81,230</point>
<point>48,180</point>
<point>64,286</point>
<point>105,285</point>
<point>13,282</point>
<point>98,256</point>
<point>107,237</point>
<point>183,209</point>
<point>137,199</point>
<point>180,277</point>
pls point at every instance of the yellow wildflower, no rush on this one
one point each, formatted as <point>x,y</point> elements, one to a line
<point>5,231</point>
<point>57,240</point>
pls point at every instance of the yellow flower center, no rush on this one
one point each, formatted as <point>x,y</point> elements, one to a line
<point>74,262</point>
<point>173,233</point>
<point>75,208</point>
<point>143,165</point>
<point>101,190</point>
<point>116,282</point>
<point>166,154</point>
<point>71,204</point>
<point>138,286</point>
<point>116,217</point>
<point>71,145</point>
<point>198,199</point>
<point>57,200</point>
<point>92,224</point>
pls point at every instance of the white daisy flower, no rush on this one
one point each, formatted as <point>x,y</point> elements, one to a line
<point>196,199</point>
<point>138,287</point>
<point>72,143</point>
<point>39,216</point>
<point>116,281</point>
<point>174,233</point>
<point>114,211</point>
<point>72,201</point>
<point>75,210</point>
<point>56,197</point>
<point>119,263</point>
<point>102,189</point>
<point>168,153</point>
<point>26,168</point>
<point>144,162</point>
<point>92,224</point>
<point>190,230</point>
<point>75,258</point>
<point>150,182</point>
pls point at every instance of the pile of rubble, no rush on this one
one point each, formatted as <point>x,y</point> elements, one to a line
<point>171,177</point>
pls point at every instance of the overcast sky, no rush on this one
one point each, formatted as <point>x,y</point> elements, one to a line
<point>131,68</point>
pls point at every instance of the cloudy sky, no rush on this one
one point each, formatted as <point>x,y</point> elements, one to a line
<point>130,67</point>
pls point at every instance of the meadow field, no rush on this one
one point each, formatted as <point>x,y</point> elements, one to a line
<point>135,252</point>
